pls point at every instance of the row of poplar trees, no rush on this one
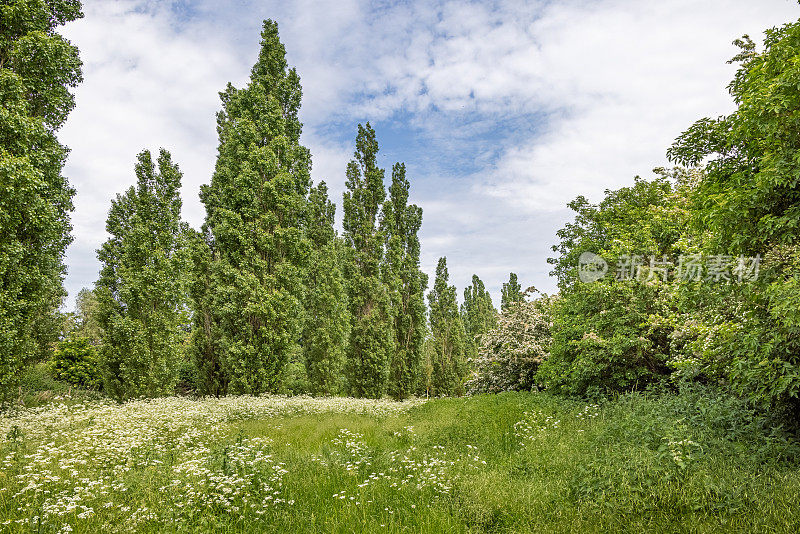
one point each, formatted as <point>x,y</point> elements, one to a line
<point>267,279</point>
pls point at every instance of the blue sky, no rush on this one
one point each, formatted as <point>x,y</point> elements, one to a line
<point>502,111</point>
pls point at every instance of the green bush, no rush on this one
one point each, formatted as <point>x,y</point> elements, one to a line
<point>607,337</point>
<point>75,361</point>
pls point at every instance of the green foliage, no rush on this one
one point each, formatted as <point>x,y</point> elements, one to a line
<point>249,299</point>
<point>614,334</point>
<point>205,351</point>
<point>477,313</point>
<point>511,293</point>
<point>749,203</point>
<point>141,289</point>
<point>746,335</point>
<point>38,67</point>
<point>76,361</point>
<point>296,380</point>
<point>607,337</point>
<point>83,321</point>
<point>400,224</point>
<point>371,336</point>
<point>647,219</point>
<point>449,367</point>
<point>749,192</point>
<point>326,329</point>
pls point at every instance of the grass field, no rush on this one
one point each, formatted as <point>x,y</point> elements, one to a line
<point>522,462</point>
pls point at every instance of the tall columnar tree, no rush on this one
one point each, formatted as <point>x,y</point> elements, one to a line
<point>478,313</point>
<point>511,293</point>
<point>401,223</point>
<point>205,349</point>
<point>327,318</point>
<point>371,336</point>
<point>141,289</point>
<point>255,208</point>
<point>37,69</point>
<point>449,337</point>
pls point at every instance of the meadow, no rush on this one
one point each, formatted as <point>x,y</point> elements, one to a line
<point>512,462</point>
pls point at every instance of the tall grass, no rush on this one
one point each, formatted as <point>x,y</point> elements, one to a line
<point>515,462</point>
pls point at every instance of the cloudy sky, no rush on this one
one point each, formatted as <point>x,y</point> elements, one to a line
<point>502,111</point>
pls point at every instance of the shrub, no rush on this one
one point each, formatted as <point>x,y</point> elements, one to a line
<point>75,361</point>
<point>509,355</point>
<point>607,337</point>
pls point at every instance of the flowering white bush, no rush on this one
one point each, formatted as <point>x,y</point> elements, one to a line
<point>509,355</point>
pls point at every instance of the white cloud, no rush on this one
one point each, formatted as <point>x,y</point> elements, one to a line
<point>630,77</point>
<point>514,107</point>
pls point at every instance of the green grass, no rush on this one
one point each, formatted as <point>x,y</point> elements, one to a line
<point>515,462</point>
<point>38,388</point>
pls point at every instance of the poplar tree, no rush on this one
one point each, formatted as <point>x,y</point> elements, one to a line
<point>401,223</point>
<point>38,67</point>
<point>327,319</point>
<point>478,312</point>
<point>205,349</point>
<point>141,289</point>
<point>255,207</point>
<point>371,337</point>
<point>449,367</point>
<point>511,293</point>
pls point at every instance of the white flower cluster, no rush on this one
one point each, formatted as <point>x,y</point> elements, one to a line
<point>589,412</point>
<point>682,451</point>
<point>65,463</point>
<point>533,425</point>
<point>406,468</point>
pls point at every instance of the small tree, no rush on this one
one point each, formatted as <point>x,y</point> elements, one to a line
<point>510,353</point>
<point>449,338</point>
<point>141,289</point>
<point>75,360</point>
<point>327,319</point>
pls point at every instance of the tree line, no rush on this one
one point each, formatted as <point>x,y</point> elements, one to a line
<point>267,296</point>
<point>266,291</point>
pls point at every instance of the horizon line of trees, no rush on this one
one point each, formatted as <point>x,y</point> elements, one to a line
<point>266,296</point>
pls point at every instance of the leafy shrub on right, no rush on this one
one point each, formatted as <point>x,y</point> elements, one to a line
<point>613,334</point>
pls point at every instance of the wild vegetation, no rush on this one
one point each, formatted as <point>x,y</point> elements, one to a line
<point>198,386</point>
<point>512,462</point>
